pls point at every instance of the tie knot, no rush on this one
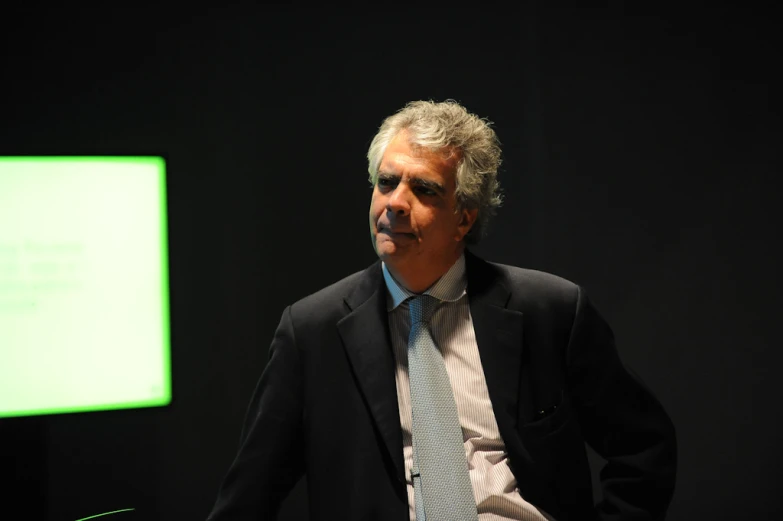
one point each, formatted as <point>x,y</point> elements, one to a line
<point>421,308</point>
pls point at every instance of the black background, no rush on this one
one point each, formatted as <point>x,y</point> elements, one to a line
<point>642,155</point>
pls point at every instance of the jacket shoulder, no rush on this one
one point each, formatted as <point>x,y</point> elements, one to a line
<point>534,288</point>
<point>329,302</point>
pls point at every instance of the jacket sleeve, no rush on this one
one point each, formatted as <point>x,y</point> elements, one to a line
<point>270,457</point>
<point>622,420</point>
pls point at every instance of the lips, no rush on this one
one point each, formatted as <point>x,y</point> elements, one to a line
<point>395,232</point>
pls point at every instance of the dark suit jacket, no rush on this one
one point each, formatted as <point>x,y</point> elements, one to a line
<point>326,405</point>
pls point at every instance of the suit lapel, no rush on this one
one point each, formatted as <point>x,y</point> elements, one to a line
<point>498,335</point>
<point>365,335</point>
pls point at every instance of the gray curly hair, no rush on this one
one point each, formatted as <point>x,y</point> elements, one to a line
<point>449,125</point>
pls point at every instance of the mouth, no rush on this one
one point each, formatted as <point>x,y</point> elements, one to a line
<point>396,234</point>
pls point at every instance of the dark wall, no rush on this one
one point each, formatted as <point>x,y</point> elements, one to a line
<point>642,155</point>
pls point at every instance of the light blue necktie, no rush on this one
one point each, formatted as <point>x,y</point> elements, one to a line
<point>441,481</point>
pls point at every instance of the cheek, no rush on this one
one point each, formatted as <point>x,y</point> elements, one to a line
<point>376,209</point>
<point>441,229</point>
<point>426,219</point>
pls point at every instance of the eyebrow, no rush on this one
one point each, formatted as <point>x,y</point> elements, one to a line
<point>417,181</point>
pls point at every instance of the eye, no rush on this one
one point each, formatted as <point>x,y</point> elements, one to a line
<point>425,191</point>
<point>386,182</point>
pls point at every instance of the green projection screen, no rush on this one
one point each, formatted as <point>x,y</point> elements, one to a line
<point>84,308</point>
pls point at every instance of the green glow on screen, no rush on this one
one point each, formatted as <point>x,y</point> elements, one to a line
<point>84,307</point>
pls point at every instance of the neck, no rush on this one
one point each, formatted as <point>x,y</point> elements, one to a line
<point>416,278</point>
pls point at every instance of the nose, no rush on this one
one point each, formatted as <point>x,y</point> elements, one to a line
<point>399,201</point>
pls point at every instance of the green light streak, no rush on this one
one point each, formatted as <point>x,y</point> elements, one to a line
<point>106,514</point>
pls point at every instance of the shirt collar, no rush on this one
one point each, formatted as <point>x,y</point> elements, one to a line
<point>450,287</point>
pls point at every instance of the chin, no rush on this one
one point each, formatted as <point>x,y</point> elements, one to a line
<point>387,250</point>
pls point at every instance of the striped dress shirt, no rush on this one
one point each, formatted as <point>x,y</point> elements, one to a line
<point>494,485</point>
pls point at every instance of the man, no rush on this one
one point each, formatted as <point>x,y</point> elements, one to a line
<point>531,370</point>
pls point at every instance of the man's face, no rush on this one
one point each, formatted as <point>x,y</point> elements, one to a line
<point>413,219</point>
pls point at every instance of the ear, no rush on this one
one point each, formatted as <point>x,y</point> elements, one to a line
<point>466,219</point>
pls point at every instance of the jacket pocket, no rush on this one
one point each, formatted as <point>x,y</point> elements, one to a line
<point>551,420</point>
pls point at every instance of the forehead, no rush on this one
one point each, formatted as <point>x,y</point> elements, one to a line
<point>402,157</point>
